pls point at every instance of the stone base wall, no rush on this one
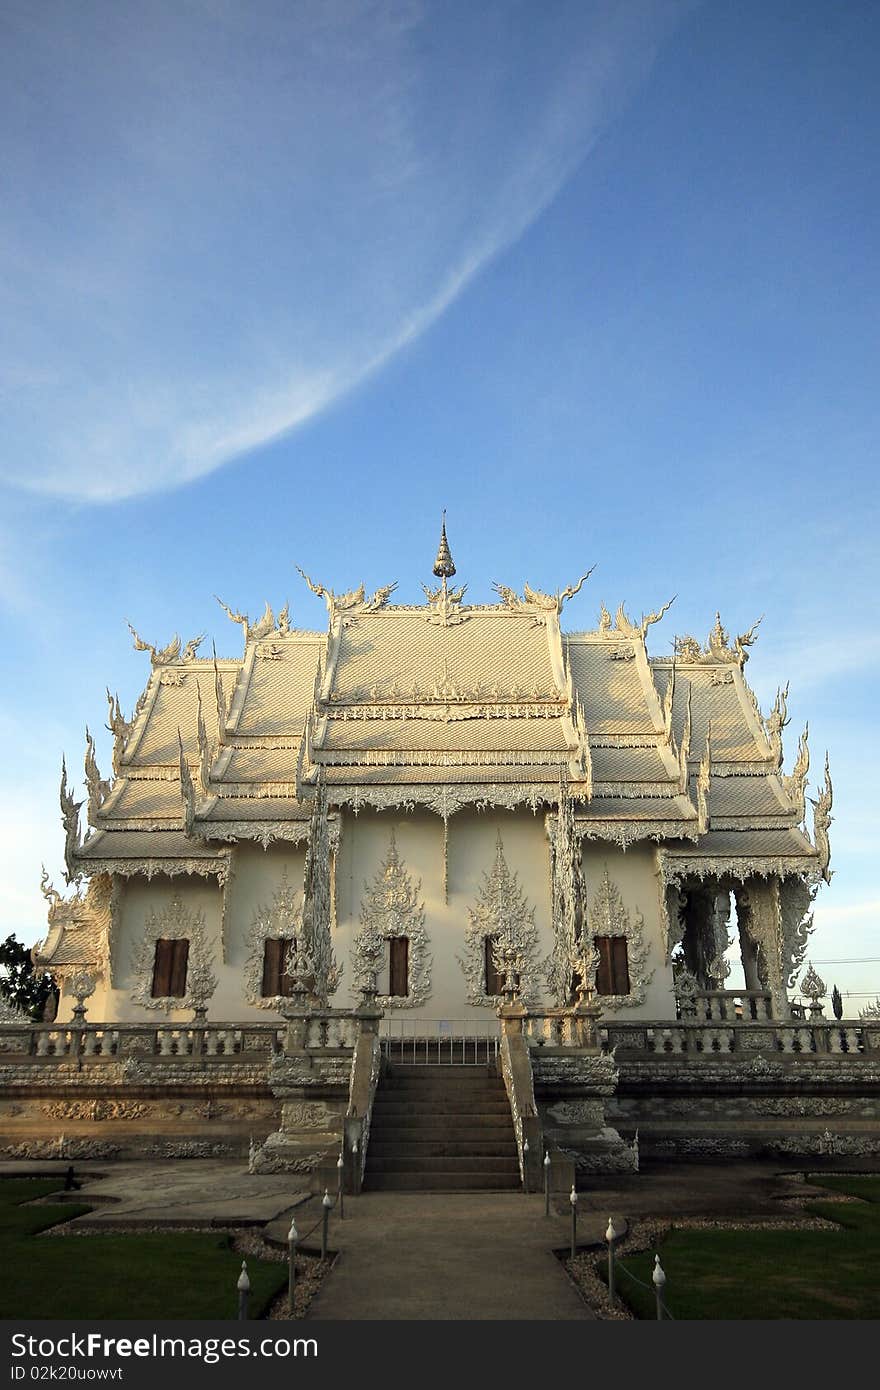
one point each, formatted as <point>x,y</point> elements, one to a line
<point>782,1106</point>
<point>143,1102</point>
<point>133,1108</point>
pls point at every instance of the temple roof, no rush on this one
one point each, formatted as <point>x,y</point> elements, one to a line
<point>443,705</point>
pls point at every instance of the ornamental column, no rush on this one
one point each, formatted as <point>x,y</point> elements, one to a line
<point>759,913</point>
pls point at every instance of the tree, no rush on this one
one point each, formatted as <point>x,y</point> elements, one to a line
<point>837,1002</point>
<point>20,985</point>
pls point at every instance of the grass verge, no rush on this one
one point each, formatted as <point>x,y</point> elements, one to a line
<point>143,1275</point>
<point>736,1273</point>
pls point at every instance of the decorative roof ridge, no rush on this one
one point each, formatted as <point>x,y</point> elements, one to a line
<point>717,649</point>
<point>536,600</point>
<point>164,656</point>
<point>266,626</point>
<point>351,603</point>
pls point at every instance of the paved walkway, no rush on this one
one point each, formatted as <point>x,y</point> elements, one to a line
<point>464,1256</point>
<point>181,1192</point>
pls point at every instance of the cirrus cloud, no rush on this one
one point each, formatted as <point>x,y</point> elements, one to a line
<point>226,216</point>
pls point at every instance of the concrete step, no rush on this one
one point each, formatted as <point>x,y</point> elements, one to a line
<point>440,1089</point>
<point>438,1105</point>
<point>470,1163</point>
<point>440,1147</point>
<point>440,1182</point>
<point>429,1131</point>
<point>470,1073</point>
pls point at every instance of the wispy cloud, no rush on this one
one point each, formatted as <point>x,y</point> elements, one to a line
<point>228,216</point>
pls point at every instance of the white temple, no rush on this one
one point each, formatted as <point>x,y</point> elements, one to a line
<point>435,797</point>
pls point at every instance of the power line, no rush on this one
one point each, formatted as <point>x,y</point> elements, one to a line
<point>865,960</point>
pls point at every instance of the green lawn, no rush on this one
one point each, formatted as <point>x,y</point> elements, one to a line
<point>116,1276</point>
<point>772,1274</point>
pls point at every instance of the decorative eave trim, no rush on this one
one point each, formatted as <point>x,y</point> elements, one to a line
<point>218,867</point>
<point>673,869</point>
<point>538,758</point>
<point>159,772</point>
<point>344,711</point>
<point>445,801</point>
<point>265,832</point>
<point>764,767</point>
<point>647,740</point>
<point>626,833</point>
<point>636,791</point>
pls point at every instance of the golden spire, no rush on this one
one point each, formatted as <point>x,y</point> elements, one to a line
<point>443,565</point>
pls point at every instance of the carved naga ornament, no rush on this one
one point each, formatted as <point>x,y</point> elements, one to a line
<point>623,623</point>
<point>822,819</point>
<point>354,601</point>
<point>164,656</point>
<point>533,599</point>
<point>99,787</point>
<point>70,820</point>
<point>718,649</point>
<point>266,626</point>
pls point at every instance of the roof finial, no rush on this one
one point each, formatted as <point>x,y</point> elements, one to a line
<point>443,565</point>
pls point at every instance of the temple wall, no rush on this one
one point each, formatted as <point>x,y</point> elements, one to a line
<point>471,853</point>
<point>257,875</point>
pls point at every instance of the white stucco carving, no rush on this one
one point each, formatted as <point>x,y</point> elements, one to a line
<point>392,907</point>
<point>174,922</point>
<point>501,912</point>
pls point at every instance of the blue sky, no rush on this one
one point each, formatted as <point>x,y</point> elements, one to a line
<point>279,281</point>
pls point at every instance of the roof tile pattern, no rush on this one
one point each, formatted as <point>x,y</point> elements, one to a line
<point>481,705</point>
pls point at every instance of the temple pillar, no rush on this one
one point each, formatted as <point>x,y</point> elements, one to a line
<point>759,913</point>
<point>704,914</point>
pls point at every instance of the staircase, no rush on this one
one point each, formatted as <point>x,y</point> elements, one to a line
<point>441,1129</point>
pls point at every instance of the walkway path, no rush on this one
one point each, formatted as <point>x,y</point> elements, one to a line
<point>463,1256</point>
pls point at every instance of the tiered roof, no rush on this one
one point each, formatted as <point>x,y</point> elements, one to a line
<point>444,705</point>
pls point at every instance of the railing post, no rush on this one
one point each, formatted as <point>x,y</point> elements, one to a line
<point>326,1204</point>
<point>546,1183</point>
<point>573,1200</point>
<point>610,1236</point>
<point>244,1288</point>
<point>658,1279</point>
<point>292,1238</point>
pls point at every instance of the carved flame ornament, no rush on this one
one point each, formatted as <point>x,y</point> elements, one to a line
<point>281,920</point>
<point>392,908</point>
<point>501,912</point>
<point>175,923</point>
<point>609,917</point>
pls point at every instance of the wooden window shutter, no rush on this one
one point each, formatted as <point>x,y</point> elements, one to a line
<point>273,950</point>
<point>169,969</point>
<point>619,965</point>
<point>612,973</point>
<point>161,986</point>
<point>494,976</point>
<point>398,983</point>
